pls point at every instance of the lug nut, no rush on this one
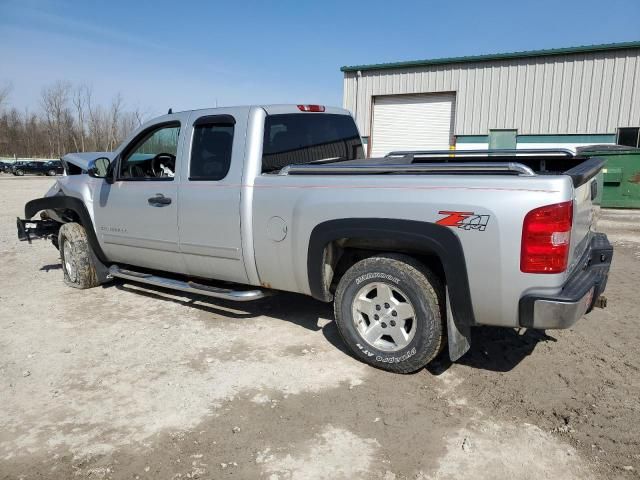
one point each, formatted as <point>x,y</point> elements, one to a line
<point>393,323</point>
<point>386,305</point>
<point>377,307</point>
<point>394,313</point>
<point>376,317</point>
<point>384,325</point>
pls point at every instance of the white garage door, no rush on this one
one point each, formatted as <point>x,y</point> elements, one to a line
<point>412,122</point>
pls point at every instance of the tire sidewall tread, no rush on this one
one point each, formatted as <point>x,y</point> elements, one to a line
<point>86,274</point>
<point>426,293</point>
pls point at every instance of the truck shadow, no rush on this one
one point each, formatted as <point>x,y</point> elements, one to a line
<point>297,309</point>
<point>495,349</point>
<point>53,266</point>
<point>492,348</point>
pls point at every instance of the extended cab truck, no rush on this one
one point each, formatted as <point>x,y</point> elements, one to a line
<point>413,249</point>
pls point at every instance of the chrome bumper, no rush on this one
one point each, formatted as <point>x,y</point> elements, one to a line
<point>578,295</point>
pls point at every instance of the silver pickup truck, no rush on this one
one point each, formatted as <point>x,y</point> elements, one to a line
<point>413,249</point>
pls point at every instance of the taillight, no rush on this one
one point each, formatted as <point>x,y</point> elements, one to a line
<point>546,233</point>
<point>311,108</point>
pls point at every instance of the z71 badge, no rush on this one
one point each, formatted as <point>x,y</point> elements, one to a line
<point>465,220</point>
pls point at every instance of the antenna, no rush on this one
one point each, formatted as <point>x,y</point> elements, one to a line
<point>170,111</point>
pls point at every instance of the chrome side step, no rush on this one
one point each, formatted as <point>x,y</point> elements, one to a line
<point>190,287</point>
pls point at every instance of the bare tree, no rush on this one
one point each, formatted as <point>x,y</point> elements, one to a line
<point>80,97</point>
<point>55,103</point>
<point>139,117</point>
<point>69,120</point>
<point>114,121</point>
<point>5,90</point>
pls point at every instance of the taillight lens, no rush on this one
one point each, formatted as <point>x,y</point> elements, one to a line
<point>546,233</point>
<point>311,108</point>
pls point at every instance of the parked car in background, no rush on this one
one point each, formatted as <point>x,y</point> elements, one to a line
<point>16,166</point>
<point>5,167</point>
<point>50,168</point>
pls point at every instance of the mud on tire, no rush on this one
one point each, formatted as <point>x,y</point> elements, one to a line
<point>404,341</point>
<point>77,260</point>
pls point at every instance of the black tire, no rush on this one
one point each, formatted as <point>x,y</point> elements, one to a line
<point>424,291</point>
<point>77,260</point>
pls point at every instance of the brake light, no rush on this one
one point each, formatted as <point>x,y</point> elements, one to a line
<point>546,233</point>
<point>311,108</point>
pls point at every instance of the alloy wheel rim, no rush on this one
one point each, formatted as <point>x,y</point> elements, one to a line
<point>384,316</point>
<point>67,256</point>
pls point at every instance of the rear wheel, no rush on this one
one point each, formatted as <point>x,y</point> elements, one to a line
<point>77,261</point>
<point>389,311</point>
<point>18,173</point>
<point>51,173</point>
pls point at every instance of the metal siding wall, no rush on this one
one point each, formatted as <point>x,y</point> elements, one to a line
<point>577,93</point>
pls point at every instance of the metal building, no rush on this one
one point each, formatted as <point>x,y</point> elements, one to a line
<point>544,98</point>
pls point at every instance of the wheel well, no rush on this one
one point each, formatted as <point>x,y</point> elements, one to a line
<point>74,210</point>
<point>335,245</point>
<point>346,252</point>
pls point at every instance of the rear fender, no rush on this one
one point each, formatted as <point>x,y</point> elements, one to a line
<point>410,235</point>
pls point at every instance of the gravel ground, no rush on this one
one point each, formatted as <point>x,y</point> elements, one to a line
<point>128,382</point>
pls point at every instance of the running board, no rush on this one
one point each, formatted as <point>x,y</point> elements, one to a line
<point>189,287</point>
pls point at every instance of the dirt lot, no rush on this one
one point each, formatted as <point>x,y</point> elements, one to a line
<point>128,382</point>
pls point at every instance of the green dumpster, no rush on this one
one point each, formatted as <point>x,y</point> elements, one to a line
<point>621,174</point>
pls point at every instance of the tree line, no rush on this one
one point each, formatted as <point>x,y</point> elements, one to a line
<point>67,120</point>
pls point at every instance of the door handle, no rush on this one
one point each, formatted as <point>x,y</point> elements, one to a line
<point>159,200</point>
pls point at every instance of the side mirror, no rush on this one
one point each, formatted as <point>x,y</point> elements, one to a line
<point>98,168</point>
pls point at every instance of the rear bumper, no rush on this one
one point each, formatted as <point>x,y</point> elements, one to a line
<point>578,295</point>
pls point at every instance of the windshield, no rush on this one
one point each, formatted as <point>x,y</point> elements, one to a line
<point>302,138</point>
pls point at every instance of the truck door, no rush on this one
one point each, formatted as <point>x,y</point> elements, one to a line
<point>136,215</point>
<point>209,195</point>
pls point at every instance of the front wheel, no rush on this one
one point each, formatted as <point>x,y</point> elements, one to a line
<point>77,261</point>
<point>51,173</point>
<point>18,173</point>
<point>389,311</point>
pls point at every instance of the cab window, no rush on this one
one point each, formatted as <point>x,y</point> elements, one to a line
<point>152,156</point>
<point>211,147</point>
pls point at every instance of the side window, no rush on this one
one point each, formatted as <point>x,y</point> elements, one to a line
<point>211,150</point>
<point>153,155</point>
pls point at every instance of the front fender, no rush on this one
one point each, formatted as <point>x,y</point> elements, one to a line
<point>62,202</point>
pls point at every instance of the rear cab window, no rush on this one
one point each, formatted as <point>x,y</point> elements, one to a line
<point>211,147</point>
<point>300,138</point>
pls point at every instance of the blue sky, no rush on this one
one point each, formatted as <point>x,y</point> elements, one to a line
<point>194,54</point>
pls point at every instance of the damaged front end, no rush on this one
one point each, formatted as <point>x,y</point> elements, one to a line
<point>35,229</point>
<point>55,207</point>
<point>47,226</point>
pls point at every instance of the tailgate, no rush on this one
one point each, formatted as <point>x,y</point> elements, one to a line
<point>587,187</point>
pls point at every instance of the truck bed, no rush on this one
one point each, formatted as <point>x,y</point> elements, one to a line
<point>527,162</point>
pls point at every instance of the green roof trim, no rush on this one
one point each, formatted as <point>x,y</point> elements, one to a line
<point>472,139</point>
<point>495,56</point>
<point>593,138</point>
